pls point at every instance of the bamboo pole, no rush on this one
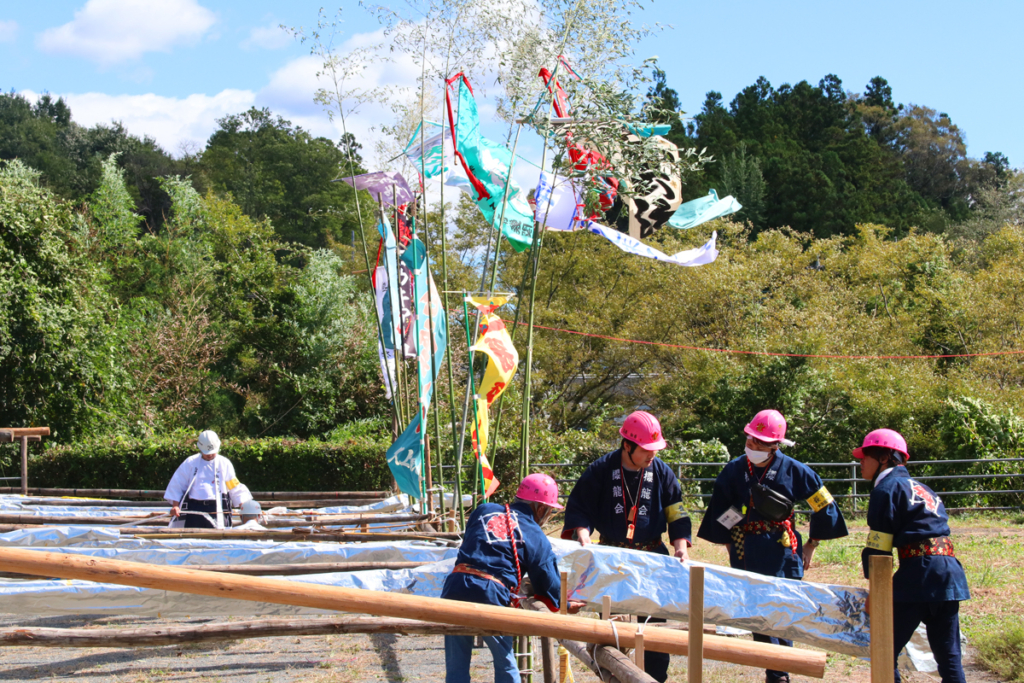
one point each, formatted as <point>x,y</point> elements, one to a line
<point>883,656</point>
<point>512,621</point>
<point>695,661</point>
<point>155,636</point>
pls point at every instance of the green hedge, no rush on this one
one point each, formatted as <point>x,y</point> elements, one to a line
<point>262,464</point>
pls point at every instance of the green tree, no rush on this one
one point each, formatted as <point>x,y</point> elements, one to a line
<point>53,335</point>
<point>281,172</point>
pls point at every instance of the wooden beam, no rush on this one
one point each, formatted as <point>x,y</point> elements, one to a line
<point>883,657</point>
<point>18,432</point>
<point>159,494</point>
<point>400,605</point>
<point>695,662</point>
<point>301,534</point>
<point>143,520</point>
<point>155,636</point>
<point>279,569</point>
<point>86,503</point>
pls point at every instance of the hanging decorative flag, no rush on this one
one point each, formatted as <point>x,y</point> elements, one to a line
<point>430,318</point>
<point>559,204</point>
<point>478,434</point>
<point>405,459</point>
<point>385,350</point>
<point>703,209</point>
<point>503,359</point>
<point>487,163</point>
<point>700,256</point>
<point>488,304</point>
<point>380,184</point>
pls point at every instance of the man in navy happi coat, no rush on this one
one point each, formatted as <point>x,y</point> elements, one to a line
<point>930,583</point>
<point>759,544</point>
<point>631,498</point>
<point>500,545</point>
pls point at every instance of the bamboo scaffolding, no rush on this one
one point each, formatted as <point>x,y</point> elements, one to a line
<point>511,621</point>
<point>155,636</point>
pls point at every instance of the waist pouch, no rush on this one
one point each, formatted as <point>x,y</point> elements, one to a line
<point>770,504</point>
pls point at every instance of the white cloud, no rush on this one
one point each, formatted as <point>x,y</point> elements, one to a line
<point>113,31</point>
<point>271,37</point>
<point>171,121</point>
<point>8,31</point>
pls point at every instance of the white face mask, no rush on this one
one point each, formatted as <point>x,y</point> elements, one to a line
<point>756,457</point>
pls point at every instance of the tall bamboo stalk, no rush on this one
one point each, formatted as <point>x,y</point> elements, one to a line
<point>444,295</point>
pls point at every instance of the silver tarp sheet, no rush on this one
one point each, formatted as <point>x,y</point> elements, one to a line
<point>830,617</point>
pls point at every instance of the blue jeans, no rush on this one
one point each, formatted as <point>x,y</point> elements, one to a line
<point>459,649</point>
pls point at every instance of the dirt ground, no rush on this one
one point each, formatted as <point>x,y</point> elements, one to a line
<point>991,553</point>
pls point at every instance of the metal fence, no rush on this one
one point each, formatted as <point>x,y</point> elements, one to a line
<point>858,488</point>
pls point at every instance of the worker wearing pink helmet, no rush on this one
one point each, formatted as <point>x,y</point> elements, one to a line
<point>500,545</point>
<point>905,514</point>
<point>632,498</point>
<point>751,510</point>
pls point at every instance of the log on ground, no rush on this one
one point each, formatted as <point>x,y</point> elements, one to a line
<point>155,636</point>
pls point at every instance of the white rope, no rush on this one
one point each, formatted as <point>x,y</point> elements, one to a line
<point>640,628</point>
<point>615,630</point>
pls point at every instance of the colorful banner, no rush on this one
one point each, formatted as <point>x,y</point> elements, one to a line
<point>405,459</point>
<point>700,256</point>
<point>703,209</point>
<point>490,162</point>
<point>503,358</point>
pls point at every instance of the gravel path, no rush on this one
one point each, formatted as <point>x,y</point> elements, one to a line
<point>316,659</point>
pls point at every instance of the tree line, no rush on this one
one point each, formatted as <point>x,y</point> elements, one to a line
<point>143,292</point>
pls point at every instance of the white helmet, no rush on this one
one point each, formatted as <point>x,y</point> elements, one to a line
<point>250,507</point>
<point>209,442</point>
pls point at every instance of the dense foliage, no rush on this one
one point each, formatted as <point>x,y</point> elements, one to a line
<point>820,160</point>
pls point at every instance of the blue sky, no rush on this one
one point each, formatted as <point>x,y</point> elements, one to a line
<point>170,68</point>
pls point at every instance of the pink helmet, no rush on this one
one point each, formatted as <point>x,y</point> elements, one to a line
<point>886,438</point>
<point>768,425</point>
<point>539,488</point>
<point>644,430</point>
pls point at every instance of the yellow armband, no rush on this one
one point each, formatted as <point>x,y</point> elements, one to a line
<point>232,483</point>
<point>820,500</point>
<point>879,541</point>
<point>675,512</point>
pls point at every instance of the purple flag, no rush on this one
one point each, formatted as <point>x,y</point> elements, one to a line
<point>379,184</point>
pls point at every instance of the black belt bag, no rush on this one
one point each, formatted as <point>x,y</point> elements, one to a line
<point>770,504</point>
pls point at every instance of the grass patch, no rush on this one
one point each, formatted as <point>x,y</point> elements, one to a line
<point>1001,650</point>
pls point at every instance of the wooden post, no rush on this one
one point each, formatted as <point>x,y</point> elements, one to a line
<point>24,465</point>
<point>554,672</point>
<point>883,658</point>
<point>486,617</point>
<point>695,660</point>
<point>638,650</point>
<point>563,593</point>
<point>606,607</point>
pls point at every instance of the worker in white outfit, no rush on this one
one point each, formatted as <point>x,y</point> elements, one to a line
<point>252,516</point>
<point>204,488</point>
